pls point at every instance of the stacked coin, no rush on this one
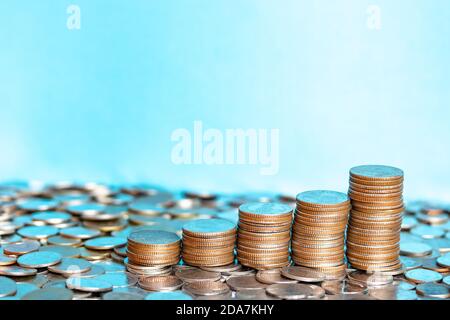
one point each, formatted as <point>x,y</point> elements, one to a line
<point>318,232</point>
<point>209,242</point>
<point>373,234</point>
<point>264,235</point>
<point>152,248</point>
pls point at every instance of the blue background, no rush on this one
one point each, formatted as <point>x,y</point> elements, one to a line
<point>100,103</point>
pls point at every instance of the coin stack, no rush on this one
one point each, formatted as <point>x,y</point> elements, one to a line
<point>318,232</point>
<point>148,250</point>
<point>209,242</point>
<point>264,235</point>
<point>373,234</point>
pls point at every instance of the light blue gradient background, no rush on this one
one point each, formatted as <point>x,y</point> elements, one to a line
<point>100,103</point>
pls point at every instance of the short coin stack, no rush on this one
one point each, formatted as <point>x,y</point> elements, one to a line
<point>264,235</point>
<point>373,234</point>
<point>320,221</point>
<point>152,249</point>
<point>209,242</point>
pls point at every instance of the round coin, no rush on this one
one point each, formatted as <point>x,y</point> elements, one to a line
<point>8,287</point>
<point>303,274</point>
<point>105,243</point>
<point>434,290</point>
<point>421,275</point>
<point>49,294</point>
<point>88,284</point>
<point>39,259</point>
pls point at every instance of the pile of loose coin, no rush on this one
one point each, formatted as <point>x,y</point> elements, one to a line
<point>318,232</point>
<point>149,251</point>
<point>264,235</point>
<point>373,235</point>
<point>209,242</point>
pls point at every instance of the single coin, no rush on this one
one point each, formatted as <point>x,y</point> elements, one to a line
<point>247,282</point>
<point>170,295</point>
<point>153,237</point>
<point>39,259</point>
<point>118,280</point>
<point>446,280</point>
<point>20,248</point>
<point>38,232</point>
<point>421,275</point>
<point>415,249</point>
<point>206,288</point>
<point>370,279</point>
<point>80,233</point>
<point>51,217</point>
<point>343,287</point>
<point>88,284</point>
<point>323,198</point>
<point>444,261</point>
<point>161,283</point>
<point>269,208</point>
<point>49,294</point>
<point>105,243</point>
<point>86,208</point>
<point>117,295</point>
<point>37,204</point>
<point>22,289</point>
<point>272,276</point>
<point>303,274</point>
<point>110,266</point>
<point>16,271</point>
<point>224,269</point>
<point>70,266</point>
<point>194,274</point>
<point>434,290</point>
<point>392,292</point>
<point>428,232</point>
<point>94,255</point>
<point>209,227</point>
<point>63,241</point>
<point>8,287</point>
<point>295,291</point>
<point>64,251</point>
<point>7,260</point>
<point>375,172</point>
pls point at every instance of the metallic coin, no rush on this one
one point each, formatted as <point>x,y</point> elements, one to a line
<point>343,287</point>
<point>37,204</point>
<point>70,266</point>
<point>39,259</point>
<point>95,270</point>
<point>161,283</point>
<point>206,288</point>
<point>247,282</point>
<point>21,247</point>
<point>49,294</point>
<point>86,208</point>
<point>7,260</point>
<point>272,276</point>
<point>64,251</point>
<point>444,261</point>
<point>302,274</point>
<point>8,287</point>
<point>94,255</point>
<point>80,233</point>
<point>63,241</point>
<point>295,291</point>
<point>421,275</point>
<point>51,217</point>
<point>16,271</point>
<point>224,269</point>
<point>428,232</point>
<point>105,243</point>
<point>410,263</point>
<point>446,280</point>
<point>434,290</point>
<point>110,266</point>
<point>323,198</point>
<point>194,274</point>
<point>118,280</point>
<point>38,232</point>
<point>415,249</point>
<point>170,295</point>
<point>370,279</point>
<point>209,228</point>
<point>117,295</point>
<point>376,172</point>
<point>88,284</point>
<point>153,237</point>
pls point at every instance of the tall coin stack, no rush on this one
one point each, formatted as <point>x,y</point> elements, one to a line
<point>264,235</point>
<point>209,242</point>
<point>318,232</point>
<point>373,236</point>
<point>152,251</point>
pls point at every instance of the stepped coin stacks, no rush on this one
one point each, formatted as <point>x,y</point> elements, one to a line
<point>264,235</point>
<point>152,251</point>
<point>318,232</point>
<point>373,236</point>
<point>209,242</point>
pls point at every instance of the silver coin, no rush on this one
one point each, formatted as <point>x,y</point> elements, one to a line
<point>64,251</point>
<point>105,243</point>
<point>17,271</point>
<point>22,289</point>
<point>71,266</point>
<point>118,280</point>
<point>51,217</point>
<point>415,249</point>
<point>117,295</point>
<point>38,232</point>
<point>80,233</point>
<point>421,275</point>
<point>434,290</point>
<point>39,259</point>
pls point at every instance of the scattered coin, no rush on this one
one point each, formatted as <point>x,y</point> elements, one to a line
<point>206,288</point>
<point>421,275</point>
<point>117,295</point>
<point>295,291</point>
<point>104,243</point>
<point>161,283</point>
<point>248,282</point>
<point>303,274</point>
<point>8,287</point>
<point>194,274</point>
<point>39,259</point>
<point>49,294</point>
<point>20,248</point>
<point>88,284</point>
<point>434,290</point>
